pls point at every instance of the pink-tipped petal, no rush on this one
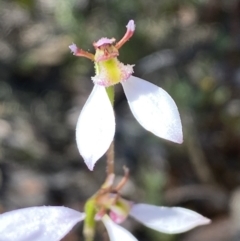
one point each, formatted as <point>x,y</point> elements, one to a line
<point>104,41</point>
<point>116,232</point>
<point>120,210</point>
<point>131,26</point>
<point>129,33</point>
<point>73,47</point>
<point>38,223</point>
<point>116,218</point>
<point>167,220</point>
<point>95,127</point>
<point>154,109</point>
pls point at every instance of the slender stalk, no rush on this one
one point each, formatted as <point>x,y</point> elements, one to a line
<point>110,159</point>
<point>124,180</point>
<point>110,152</point>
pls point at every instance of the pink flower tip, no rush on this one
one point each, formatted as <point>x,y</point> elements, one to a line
<point>131,26</point>
<point>117,218</point>
<point>73,47</point>
<point>104,41</point>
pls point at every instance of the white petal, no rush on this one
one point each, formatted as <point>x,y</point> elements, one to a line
<point>154,109</point>
<point>38,223</point>
<point>167,220</point>
<point>116,232</point>
<point>95,126</point>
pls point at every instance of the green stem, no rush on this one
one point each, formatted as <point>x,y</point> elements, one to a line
<point>110,93</point>
<point>110,152</point>
<point>89,221</point>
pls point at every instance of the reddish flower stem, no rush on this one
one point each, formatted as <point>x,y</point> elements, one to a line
<point>110,159</point>
<point>124,180</point>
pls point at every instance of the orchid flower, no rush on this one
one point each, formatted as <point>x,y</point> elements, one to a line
<point>53,223</point>
<point>153,107</point>
<point>107,205</point>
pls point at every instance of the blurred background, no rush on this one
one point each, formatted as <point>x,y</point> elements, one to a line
<point>191,48</point>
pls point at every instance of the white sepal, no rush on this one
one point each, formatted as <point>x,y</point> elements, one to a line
<point>116,232</point>
<point>38,223</point>
<point>95,127</point>
<point>154,109</point>
<point>167,220</point>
